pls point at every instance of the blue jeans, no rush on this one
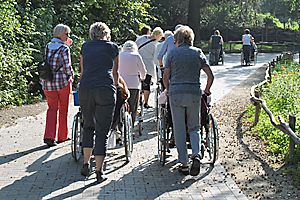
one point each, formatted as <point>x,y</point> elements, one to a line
<point>185,109</point>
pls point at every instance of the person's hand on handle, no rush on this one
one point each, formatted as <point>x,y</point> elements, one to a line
<point>207,92</point>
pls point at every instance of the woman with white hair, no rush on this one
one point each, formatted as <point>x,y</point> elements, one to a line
<point>99,61</point>
<point>57,90</point>
<point>133,70</point>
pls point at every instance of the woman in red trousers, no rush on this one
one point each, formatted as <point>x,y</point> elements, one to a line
<point>57,91</point>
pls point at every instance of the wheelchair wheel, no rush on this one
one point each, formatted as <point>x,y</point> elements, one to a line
<point>76,147</point>
<point>157,93</point>
<point>162,136</point>
<point>140,114</point>
<point>128,135</point>
<point>242,58</point>
<point>222,58</point>
<point>213,140</point>
<point>255,58</point>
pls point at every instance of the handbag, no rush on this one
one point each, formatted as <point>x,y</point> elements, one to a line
<point>44,68</point>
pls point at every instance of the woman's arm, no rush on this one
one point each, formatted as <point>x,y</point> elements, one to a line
<point>81,67</point>
<point>124,88</point>
<point>115,71</point>
<point>141,67</point>
<point>166,78</point>
<point>210,79</point>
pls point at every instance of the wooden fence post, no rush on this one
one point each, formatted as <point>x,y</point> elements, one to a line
<point>292,123</point>
<point>257,108</point>
<point>270,72</point>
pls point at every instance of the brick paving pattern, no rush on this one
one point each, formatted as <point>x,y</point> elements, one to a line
<point>29,170</point>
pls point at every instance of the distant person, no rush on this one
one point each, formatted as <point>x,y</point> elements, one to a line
<point>253,49</point>
<point>57,91</point>
<point>99,60</point>
<point>133,70</point>
<point>247,42</point>
<point>182,81</point>
<point>167,47</point>
<point>145,30</point>
<point>216,42</point>
<point>167,34</point>
<point>146,47</point>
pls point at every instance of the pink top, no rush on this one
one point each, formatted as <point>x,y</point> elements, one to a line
<point>132,69</point>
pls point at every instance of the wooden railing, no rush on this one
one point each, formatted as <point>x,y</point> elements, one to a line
<point>287,128</point>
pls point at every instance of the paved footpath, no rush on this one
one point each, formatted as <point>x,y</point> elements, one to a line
<point>30,170</point>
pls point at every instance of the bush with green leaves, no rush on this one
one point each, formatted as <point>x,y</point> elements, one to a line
<point>282,97</point>
<point>27,26</point>
<point>15,55</point>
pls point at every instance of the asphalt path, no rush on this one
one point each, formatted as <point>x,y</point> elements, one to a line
<point>231,74</point>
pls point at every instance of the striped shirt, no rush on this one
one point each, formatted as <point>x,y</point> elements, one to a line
<point>61,66</point>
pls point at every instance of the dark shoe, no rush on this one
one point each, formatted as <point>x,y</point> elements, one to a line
<point>195,169</point>
<point>147,106</point>
<point>85,170</point>
<point>58,142</point>
<point>184,170</point>
<point>100,176</point>
<point>50,143</point>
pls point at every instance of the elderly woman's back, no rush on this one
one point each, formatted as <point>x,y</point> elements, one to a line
<point>133,70</point>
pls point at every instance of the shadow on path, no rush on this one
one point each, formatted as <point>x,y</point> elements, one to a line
<point>14,156</point>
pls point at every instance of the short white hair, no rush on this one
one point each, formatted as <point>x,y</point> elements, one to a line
<point>168,33</point>
<point>130,46</point>
<point>61,29</point>
<point>178,26</point>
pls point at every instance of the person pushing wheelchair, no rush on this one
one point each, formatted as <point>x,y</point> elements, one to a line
<point>182,81</point>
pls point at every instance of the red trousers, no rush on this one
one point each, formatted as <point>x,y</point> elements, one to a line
<point>58,101</point>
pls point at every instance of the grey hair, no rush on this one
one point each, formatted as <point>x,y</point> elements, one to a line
<point>184,35</point>
<point>178,26</point>
<point>130,46</point>
<point>60,29</point>
<point>99,30</point>
<point>168,33</point>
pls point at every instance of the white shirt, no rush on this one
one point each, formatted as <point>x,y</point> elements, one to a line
<point>148,52</point>
<point>131,67</point>
<point>246,39</point>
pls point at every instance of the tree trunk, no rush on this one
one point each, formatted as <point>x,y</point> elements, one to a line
<point>194,18</point>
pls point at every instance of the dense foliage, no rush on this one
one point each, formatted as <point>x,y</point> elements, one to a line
<point>26,27</point>
<point>283,98</point>
<point>15,55</point>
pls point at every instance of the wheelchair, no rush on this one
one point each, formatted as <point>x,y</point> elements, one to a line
<point>213,54</point>
<point>77,129</point>
<point>209,133</point>
<point>164,129</point>
<point>253,56</point>
<point>122,122</point>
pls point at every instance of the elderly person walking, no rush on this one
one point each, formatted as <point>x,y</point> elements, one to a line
<point>132,69</point>
<point>216,42</point>
<point>147,45</point>
<point>99,62</point>
<point>182,81</point>
<point>57,90</point>
<point>167,46</point>
<point>247,40</point>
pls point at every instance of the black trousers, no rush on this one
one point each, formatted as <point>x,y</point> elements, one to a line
<point>246,52</point>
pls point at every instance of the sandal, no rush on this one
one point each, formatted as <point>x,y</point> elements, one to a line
<point>184,170</point>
